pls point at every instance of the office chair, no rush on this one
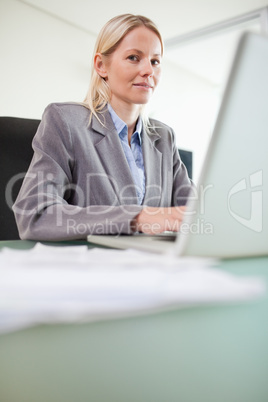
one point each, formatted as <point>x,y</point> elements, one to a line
<point>16,135</point>
<point>187,159</point>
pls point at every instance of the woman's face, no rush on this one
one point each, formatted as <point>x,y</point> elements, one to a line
<point>133,69</point>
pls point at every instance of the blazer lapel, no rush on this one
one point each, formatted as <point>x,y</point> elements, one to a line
<point>111,154</point>
<point>153,167</point>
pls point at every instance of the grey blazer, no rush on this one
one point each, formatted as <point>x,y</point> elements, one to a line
<point>79,181</point>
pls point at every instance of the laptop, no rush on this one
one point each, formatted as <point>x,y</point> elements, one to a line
<point>228,217</point>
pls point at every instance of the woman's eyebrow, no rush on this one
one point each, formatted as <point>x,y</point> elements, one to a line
<point>141,52</point>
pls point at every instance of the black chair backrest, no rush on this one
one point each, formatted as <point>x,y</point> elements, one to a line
<point>16,135</point>
<point>16,152</point>
<point>187,159</point>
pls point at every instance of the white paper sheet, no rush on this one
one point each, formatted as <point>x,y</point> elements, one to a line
<point>72,284</point>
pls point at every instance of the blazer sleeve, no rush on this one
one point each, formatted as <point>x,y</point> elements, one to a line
<point>42,210</point>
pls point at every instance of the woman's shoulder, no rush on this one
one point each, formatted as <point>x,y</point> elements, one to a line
<point>68,108</point>
<point>158,127</point>
<point>71,114</point>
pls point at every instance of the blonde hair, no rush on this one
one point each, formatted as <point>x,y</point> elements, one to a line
<point>107,42</point>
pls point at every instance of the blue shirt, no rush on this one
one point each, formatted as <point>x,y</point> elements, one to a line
<point>133,152</point>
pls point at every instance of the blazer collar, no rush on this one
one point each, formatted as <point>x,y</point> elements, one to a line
<point>108,126</point>
<point>105,125</point>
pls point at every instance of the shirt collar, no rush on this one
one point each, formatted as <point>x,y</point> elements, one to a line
<point>121,126</point>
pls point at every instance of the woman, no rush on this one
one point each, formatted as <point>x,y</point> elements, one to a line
<point>103,167</point>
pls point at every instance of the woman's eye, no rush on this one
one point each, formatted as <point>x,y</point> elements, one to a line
<point>155,62</point>
<point>133,57</point>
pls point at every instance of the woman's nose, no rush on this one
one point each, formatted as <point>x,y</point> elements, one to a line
<point>147,68</point>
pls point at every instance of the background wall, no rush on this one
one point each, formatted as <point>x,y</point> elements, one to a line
<point>43,60</point>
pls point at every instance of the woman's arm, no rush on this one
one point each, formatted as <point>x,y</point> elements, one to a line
<point>51,205</point>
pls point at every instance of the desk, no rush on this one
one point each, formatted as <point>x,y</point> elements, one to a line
<point>206,354</point>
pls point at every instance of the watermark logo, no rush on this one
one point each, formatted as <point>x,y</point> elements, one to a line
<point>254,221</point>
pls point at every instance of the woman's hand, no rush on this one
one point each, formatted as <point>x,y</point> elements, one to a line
<point>153,220</point>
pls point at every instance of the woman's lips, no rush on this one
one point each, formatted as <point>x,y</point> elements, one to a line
<point>143,85</point>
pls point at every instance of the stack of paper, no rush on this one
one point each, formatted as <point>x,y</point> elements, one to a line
<point>50,284</point>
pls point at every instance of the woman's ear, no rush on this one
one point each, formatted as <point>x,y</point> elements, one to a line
<point>100,66</point>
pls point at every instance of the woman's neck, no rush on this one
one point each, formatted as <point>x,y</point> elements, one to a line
<point>129,114</point>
